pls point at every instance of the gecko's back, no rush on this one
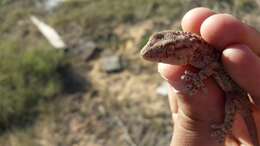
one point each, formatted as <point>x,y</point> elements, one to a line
<point>179,48</point>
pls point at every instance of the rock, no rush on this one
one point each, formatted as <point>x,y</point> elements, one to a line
<point>84,50</point>
<point>49,5</point>
<point>112,64</point>
<point>87,50</point>
<point>162,89</point>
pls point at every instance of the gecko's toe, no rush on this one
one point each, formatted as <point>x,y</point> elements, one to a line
<point>220,131</point>
<point>190,89</point>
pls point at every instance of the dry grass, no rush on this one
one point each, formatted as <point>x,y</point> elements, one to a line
<point>119,108</point>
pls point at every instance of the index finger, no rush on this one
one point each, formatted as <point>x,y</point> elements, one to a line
<point>222,30</point>
<point>212,27</point>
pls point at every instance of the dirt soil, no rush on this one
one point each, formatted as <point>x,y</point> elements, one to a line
<point>116,109</point>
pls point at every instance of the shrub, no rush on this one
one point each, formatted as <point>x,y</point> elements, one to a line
<point>26,77</point>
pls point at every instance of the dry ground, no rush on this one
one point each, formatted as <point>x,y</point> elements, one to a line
<point>120,108</point>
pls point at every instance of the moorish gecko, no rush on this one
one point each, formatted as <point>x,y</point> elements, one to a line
<point>181,48</point>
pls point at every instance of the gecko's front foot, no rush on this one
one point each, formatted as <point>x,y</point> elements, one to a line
<point>220,132</point>
<point>193,82</point>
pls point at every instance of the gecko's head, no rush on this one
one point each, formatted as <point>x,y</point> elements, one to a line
<point>168,47</point>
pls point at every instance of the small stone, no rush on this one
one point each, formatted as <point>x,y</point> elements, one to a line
<point>162,89</point>
<point>52,4</point>
<point>90,45</point>
<point>112,64</point>
<point>88,50</point>
<point>84,50</point>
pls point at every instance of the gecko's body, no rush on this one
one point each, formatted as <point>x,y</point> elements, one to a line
<point>182,48</point>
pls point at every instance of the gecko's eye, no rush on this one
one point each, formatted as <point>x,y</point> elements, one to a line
<point>158,36</point>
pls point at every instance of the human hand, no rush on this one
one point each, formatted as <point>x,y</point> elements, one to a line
<point>193,116</point>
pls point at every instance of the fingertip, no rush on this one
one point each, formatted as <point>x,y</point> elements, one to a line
<point>193,19</point>
<point>238,54</point>
<point>221,30</point>
<point>169,72</point>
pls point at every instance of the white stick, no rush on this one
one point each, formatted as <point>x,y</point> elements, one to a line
<point>50,34</point>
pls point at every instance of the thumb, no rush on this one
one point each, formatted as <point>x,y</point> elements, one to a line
<point>195,114</point>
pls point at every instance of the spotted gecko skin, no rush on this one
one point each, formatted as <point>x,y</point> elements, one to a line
<point>186,48</point>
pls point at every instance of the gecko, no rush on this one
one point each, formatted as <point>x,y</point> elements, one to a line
<point>186,48</point>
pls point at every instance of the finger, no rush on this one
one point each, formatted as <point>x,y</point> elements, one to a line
<point>240,131</point>
<point>193,19</point>
<point>244,67</point>
<point>195,114</point>
<point>196,104</point>
<point>173,99</point>
<point>222,30</point>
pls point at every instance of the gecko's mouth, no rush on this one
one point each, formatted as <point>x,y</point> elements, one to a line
<point>144,52</point>
<point>157,49</point>
<point>147,49</point>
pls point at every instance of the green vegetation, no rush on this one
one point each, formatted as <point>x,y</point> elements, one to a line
<point>96,19</point>
<point>31,71</point>
<point>26,76</point>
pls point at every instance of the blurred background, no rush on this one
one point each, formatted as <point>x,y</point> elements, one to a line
<point>70,73</point>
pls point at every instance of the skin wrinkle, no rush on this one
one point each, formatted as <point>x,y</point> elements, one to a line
<point>192,123</point>
<point>187,125</point>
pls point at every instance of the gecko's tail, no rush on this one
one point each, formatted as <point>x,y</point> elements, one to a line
<point>251,126</point>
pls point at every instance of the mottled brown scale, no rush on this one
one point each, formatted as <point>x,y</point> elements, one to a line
<point>182,48</point>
